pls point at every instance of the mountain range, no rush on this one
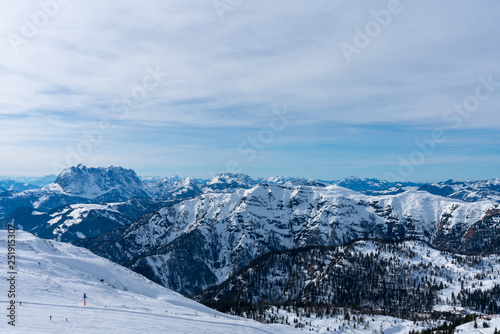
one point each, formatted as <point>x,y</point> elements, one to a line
<point>189,234</point>
<point>278,241</point>
<point>216,234</point>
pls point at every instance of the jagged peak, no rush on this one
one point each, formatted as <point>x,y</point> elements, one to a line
<point>93,182</point>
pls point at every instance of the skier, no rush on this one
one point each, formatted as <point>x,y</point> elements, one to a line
<point>51,318</point>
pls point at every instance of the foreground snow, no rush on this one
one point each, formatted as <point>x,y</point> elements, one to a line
<point>52,278</point>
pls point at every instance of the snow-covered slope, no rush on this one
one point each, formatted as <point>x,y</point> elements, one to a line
<point>216,234</point>
<point>337,324</point>
<point>45,199</point>
<point>469,328</point>
<point>291,181</point>
<point>76,221</point>
<point>171,188</point>
<point>52,278</point>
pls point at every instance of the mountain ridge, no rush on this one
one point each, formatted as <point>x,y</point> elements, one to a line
<point>219,233</point>
<point>188,234</point>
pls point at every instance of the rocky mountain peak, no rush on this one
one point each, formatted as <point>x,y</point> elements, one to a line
<point>111,182</point>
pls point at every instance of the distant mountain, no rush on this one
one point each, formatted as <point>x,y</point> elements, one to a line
<point>365,186</point>
<point>470,191</point>
<point>36,181</point>
<point>85,202</point>
<point>229,182</point>
<point>14,186</point>
<point>291,181</point>
<point>101,184</point>
<point>200,242</point>
<point>167,188</point>
<point>155,179</point>
<point>374,186</point>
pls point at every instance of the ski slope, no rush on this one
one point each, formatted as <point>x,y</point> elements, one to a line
<point>52,278</point>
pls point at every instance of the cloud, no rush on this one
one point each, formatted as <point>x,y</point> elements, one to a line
<point>230,74</point>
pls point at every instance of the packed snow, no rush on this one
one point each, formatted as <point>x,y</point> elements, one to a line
<point>52,278</point>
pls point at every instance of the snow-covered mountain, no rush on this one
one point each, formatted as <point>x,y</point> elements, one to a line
<point>76,221</point>
<point>220,225</point>
<point>167,188</point>
<point>156,179</point>
<point>35,181</point>
<point>52,278</point>
<point>225,182</point>
<point>199,242</point>
<point>102,184</point>
<point>374,186</point>
<point>83,185</point>
<point>189,234</point>
<point>45,199</point>
<point>291,181</point>
<point>471,191</point>
<point>14,186</point>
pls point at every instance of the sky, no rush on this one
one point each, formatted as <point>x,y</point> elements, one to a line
<point>400,90</point>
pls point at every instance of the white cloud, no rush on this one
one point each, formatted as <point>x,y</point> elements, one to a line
<point>231,73</point>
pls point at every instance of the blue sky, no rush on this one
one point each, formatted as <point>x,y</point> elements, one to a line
<point>262,87</point>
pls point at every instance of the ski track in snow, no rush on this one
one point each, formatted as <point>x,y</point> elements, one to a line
<point>52,277</point>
